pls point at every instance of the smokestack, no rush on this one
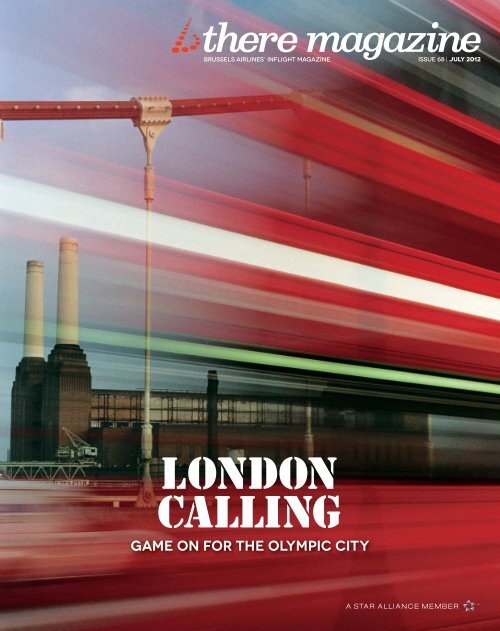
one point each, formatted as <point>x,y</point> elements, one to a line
<point>33,310</point>
<point>67,292</point>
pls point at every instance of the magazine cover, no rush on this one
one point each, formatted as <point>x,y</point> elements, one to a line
<point>249,322</point>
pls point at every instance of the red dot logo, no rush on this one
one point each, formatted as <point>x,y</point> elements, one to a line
<point>182,45</point>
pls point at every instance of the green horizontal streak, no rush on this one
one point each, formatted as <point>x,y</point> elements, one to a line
<point>244,356</point>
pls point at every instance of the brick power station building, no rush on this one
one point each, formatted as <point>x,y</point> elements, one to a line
<point>49,394</point>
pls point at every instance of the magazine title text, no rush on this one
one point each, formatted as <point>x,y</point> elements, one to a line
<point>219,39</point>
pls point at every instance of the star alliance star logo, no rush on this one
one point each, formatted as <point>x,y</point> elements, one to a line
<point>469,606</point>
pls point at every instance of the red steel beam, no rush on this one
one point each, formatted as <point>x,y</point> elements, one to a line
<point>78,110</point>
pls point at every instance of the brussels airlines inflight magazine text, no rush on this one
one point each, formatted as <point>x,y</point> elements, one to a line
<point>249,325</point>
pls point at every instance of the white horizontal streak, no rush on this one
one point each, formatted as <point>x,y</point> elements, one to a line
<point>83,211</point>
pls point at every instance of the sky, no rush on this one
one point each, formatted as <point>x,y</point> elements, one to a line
<point>117,49</point>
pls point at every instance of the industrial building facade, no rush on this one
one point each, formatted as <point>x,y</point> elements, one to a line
<point>260,426</point>
<point>55,393</point>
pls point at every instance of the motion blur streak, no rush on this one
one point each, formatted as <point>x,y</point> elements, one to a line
<point>335,143</point>
<point>485,11</point>
<point>82,615</point>
<point>52,204</point>
<point>104,179</point>
<point>256,357</point>
<point>416,553</point>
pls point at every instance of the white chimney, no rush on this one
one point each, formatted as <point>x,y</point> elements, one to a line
<point>67,292</point>
<point>33,310</point>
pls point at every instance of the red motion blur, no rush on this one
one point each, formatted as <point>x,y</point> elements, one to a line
<point>422,158</point>
<point>432,547</point>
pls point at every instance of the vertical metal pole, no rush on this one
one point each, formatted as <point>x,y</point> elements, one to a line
<point>308,435</point>
<point>147,497</point>
<point>430,447</point>
<point>307,178</point>
<point>212,390</point>
<point>155,114</point>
